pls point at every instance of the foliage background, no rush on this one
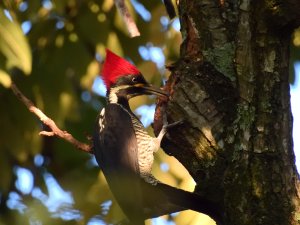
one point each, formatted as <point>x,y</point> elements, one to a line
<point>53,50</point>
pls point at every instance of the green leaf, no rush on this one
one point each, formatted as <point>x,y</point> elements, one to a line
<point>14,45</point>
<point>5,79</point>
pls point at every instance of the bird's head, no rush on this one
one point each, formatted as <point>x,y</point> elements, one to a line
<point>122,79</point>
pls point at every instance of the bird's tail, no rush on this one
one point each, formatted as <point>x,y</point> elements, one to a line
<point>168,200</point>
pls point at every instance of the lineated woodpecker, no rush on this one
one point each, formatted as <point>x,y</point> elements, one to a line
<point>124,150</point>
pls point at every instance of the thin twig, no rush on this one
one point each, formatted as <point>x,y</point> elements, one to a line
<point>55,131</point>
<point>129,22</point>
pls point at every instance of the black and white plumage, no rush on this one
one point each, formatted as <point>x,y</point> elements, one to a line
<point>124,151</point>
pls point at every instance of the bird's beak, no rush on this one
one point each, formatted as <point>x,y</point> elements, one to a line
<point>151,90</point>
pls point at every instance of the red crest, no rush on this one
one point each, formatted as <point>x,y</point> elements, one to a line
<point>114,67</point>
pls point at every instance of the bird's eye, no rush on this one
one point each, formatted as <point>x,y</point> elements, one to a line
<point>134,79</point>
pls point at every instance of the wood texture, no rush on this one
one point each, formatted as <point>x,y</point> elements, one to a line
<point>231,87</point>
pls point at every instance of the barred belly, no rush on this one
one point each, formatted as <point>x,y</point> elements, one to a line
<point>147,145</point>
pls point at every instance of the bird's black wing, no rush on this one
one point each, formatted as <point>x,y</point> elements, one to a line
<point>115,148</point>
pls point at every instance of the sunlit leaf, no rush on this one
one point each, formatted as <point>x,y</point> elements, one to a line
<point>189,217</point>
<point>14,45</point>
<point>296,38</point>
<point>107,5</point>
<point>92,71</point>
<point>114,44</point>
<point>5,79</point>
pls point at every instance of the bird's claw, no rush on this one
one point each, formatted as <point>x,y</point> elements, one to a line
<point>168,126</point>
<point>165,121</point>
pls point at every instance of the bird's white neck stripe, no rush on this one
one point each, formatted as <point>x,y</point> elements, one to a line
<point>113,98</point>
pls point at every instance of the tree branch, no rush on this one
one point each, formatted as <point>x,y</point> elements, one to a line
<point>129,22</point>
<point>55,131</point>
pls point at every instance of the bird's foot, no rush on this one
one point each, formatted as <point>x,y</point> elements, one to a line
<point>166,126</point>
<point>171,125</point>
<point>149,178</point>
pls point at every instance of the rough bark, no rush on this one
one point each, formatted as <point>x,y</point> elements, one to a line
<point>231,87</point>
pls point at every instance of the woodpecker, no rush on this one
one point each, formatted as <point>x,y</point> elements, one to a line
<point>124,150</point>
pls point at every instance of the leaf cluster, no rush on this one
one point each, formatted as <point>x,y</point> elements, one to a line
<point>53,49</point>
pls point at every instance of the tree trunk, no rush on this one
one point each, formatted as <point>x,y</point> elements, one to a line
<point>231,87</point>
